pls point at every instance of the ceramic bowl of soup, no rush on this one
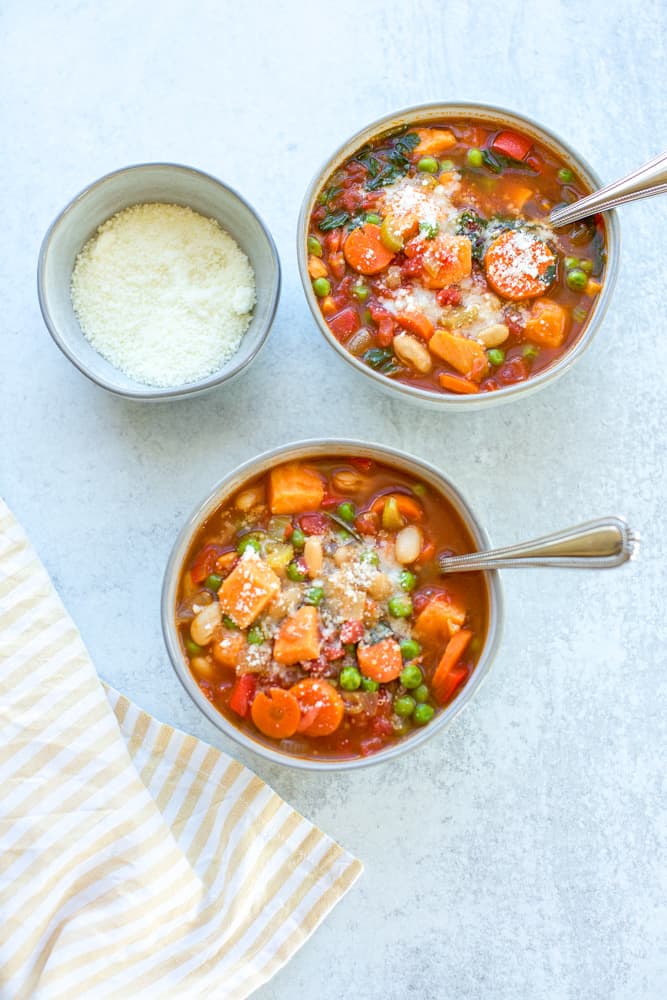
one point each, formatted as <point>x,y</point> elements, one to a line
<point>429,264</point>
<point>304,612</point>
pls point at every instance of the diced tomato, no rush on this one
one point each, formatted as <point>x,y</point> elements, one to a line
<point>451,684</point>
<point>243,694</point>
<point>344,324</point>
<point>349,199</point>
<point>314,524</point>
<point>205,561</point>
<point>337,265</point>
<point>490,385</point>
<point>351,631</point>
<point>382,726</point>
<point>512,371</point>
<point>449,296</point>
<point>371,745</point>
<point>411,268</point>
<point>334,651</point>
<point>321,667</point>
<point>516,147</point>
<point>363,464</point>
<point>515,321</point>
<point>333,240</point>
<point>367,523</point>
<point>329,501</point>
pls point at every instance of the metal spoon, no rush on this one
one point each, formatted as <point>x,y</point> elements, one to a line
<point>645,181</point>
<point>599,544</point>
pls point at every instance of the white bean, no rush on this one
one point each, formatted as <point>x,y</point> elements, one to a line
<point>346,481</point>
<point>202,667</point>
<point>494,335</point>
<point>205,623</point>
<point>408,544</point>
<point>412,352</point>
<point>248,499</point>
<point>312,555</point>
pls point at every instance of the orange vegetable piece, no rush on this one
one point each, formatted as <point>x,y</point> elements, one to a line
<point>514,195</point>
<point>227,649</point>
<point>518,266</point>
<point>433,142</point>
<point>547,324</point>
<point>454,383</point>
<point>467,356</point>
<point>381,662</point>
<point>294,488</point>
<point>439,621</point>
<point>276,714</point>
<point>298,638</point>
<point>454,650</point>
<point>416,323</point>
<point>592,287</point>
<point>316,267</point>
<point>321,707</point>
<point>446,260</point>
<point>365,251</point>
<point>247,590</point>
<point>410,508</point>
<point>328,305</point>
<point>445,692</point>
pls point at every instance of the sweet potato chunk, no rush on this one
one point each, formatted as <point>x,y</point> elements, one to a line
<point>294,488</point>
<point>227,649</point>
<point>248,589</point>
<point>433,142</point>
<point>547,323</point>
<point>298,638</point>
<point>466,356</point>
<point>439,620</point>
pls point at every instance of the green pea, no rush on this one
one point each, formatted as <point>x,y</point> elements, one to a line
<point>495,356</point>
<point>370,558</point>
<point>565,176</point>
<point>474,157</point>
<point>360,291</point>
<point>295,573</point>
<point>346,511</point>
<point>192,647</point>
<point>349,679</point>
<point>342,535</point>
<point>410,648</point>
<point>248,542</point>
<point>297,539</point>
<point>419,490</point>
<point>586,266</point>
<point>404,706</point>
<point>411,676</point>
<point>423,714</point>
<point>400,606</point>
<point>213,581</point>
<point>255,636</point>
<point>321,287</point>
<point>368,319</point>
<point>229,622</point>
<point>373,218</point>
<point>368,685</point>
<point>428,165</point>
<point>579,314</point>
<point>571,263</point>
<point>314,596</point>
<point>408,580</point>
<point>530,352</point>
<point>421,694</point>
<point>576,280</point>
<point>314,246</point>
<point>446,166</point>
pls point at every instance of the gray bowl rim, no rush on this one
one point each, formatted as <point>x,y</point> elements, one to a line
<point>427,396</point>
<point>233,481</point>
<point>147,393</point>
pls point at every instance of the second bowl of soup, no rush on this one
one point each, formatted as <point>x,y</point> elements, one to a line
<point>429,263</point>
<point>304,612</point>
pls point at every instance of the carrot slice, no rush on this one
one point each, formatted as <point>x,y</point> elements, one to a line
<point>416,323</point>
<point>365,251</point>
<point>450,685</point>
<point>320,706</point>
<point>407,506</point>
<point>382,661</point>
<point>454,650</point>
<point>454,383</point>
<point>519,266</point>
<point>277,714</point>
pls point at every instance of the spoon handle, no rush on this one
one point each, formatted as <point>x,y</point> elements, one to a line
<point>645,181</point>
<point>599,544</point>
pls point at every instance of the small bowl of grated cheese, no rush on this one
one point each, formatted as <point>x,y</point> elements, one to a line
<point>158,282</point>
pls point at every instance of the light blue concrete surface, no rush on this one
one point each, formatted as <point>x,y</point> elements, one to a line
<point>520,855</point>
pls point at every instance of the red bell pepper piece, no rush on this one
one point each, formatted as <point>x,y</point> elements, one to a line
<point>314,524</point>
<point>516,147</point>
<point>204,563</point>
<point>363,464</point>
<point>242,695</point>
<point>329,501</point>
<point>367,523</point>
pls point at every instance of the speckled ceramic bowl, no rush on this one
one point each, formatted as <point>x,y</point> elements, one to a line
<point>234,481</point>
<point>426,113</point>
<point>150,182</point>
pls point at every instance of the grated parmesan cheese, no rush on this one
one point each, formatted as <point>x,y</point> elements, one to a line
<point>163,293</point>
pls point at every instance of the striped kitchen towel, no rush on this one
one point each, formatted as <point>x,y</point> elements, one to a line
<point>135,860</point>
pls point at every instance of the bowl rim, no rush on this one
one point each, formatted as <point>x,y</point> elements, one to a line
<point>427,396</point>
<point>145,392</point>
<point>309,448</point>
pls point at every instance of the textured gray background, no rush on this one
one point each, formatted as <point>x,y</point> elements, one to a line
<point>519,854</point>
